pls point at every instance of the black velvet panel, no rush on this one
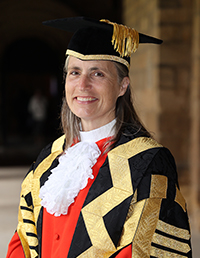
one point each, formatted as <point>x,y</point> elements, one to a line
<point>163,164</point>
<point>173,214</point>
<point>144,187</point>
<point>43,154</point>
<point>139,164</point>
<point>102,183</point>
<point>39,231</point>
<point>114,220</point>
<point>28,199</point>
<point>81,241</point>
<point>171,190</point>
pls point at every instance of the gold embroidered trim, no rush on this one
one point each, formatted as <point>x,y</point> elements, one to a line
<point>22,235</point>
<point>94,252</point>
<point>141,244</point>
<point>132,221</point>
<point>32,184</point>
<point>172,230</point>
<point>134,147</point>
<point>162,253</point>
<point>43,166</point>
<point>170,243</point>
<point>98,234</point>
<point>93,217</point>
<point>22,227</point>
<point>106,202</point>
<point>97,57</point>
<point>120,173</point>
<point>58,144</point>
<point>180,200</point>
<point>158,186</point>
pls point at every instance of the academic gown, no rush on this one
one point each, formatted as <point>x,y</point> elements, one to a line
<point>132,208</point>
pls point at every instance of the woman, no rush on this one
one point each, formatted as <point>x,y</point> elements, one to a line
<point>105,188</point>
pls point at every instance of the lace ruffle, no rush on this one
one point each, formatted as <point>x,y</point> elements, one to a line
<point>69,177</point>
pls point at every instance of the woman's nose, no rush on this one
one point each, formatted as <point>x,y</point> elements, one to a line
<point>84,82</point>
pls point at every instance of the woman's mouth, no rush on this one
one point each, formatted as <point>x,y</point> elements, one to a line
<point>86,99</point>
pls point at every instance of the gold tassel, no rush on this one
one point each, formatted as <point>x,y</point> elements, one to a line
<point>124,39</point>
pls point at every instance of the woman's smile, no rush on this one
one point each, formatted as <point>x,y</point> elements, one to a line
<point>85,100</point>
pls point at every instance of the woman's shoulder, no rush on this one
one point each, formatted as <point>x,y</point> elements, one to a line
<point>53,148</point>
<point>145,155</point>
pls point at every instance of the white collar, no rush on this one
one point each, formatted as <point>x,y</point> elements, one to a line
<point>102,132</point>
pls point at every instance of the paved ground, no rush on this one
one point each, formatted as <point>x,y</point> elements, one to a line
<point>10,180</point>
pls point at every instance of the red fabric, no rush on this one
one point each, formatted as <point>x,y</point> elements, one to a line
<point>15,249</point>
<point>57,232</point>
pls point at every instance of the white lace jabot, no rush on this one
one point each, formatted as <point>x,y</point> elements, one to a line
<point>73,171</point>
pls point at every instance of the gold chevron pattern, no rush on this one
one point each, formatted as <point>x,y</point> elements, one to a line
<point>102,245</point>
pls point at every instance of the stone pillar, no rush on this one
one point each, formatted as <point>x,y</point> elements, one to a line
<point>144,72</point>
<point>195,118</point>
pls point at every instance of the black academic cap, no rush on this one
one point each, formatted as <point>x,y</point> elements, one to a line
<point>101,40</point>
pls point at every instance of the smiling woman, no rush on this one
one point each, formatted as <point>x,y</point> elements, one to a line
<point>105,188</point>
<point>92,89</point>
<point>110,81</point>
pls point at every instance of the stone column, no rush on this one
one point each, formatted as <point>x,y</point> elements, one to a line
<point>195,119</point>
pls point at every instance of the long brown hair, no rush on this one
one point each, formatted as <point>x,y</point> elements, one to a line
<point>125,113</point>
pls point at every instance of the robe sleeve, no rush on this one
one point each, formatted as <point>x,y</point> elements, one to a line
<point>158,219</point>
<point>15,248</point>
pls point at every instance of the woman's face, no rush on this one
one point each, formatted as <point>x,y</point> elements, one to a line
<point>92,89</point>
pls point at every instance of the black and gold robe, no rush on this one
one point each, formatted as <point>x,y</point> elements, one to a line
<point>135,199</point>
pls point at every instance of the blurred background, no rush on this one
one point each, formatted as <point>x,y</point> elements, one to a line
<point>165,81</point>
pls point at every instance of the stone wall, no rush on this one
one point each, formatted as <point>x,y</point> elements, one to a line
<point>175,72</point>
<point>161,74</point>
<point>195,118</point>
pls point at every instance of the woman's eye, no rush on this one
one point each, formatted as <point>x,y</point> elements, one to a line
<point>98,74</point>
<point>73,73</point>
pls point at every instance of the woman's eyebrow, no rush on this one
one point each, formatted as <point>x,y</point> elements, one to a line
<point>74,68</point>
<point>95,68</point>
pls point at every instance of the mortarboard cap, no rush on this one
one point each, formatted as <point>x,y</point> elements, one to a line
<point>101,40</point>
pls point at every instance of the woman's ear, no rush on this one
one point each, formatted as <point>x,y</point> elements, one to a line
<point>124,85</point>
